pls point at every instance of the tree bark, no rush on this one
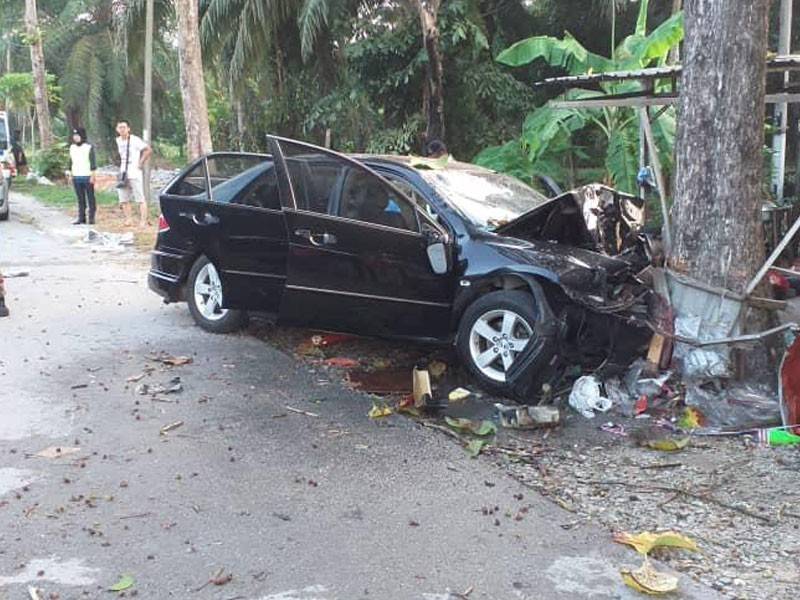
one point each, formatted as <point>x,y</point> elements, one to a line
<point>192,82</point>
<point>717,233</point>
<point>39,73</point>
<point>433,94</point>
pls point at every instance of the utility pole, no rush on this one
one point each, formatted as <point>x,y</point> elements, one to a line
<point>148,92</point>
<point>781,110</point>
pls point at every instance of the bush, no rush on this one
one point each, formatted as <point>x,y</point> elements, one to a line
<point>51,162</point>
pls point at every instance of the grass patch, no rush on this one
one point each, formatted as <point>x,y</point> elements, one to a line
<point>59,195</point>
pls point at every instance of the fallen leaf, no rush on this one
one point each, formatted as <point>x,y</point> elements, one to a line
<point>647,540</point>
<point>668,444</point>
<point>377,411</point>
<point>222,579</point>
<point>437,368</point>
<point>56,451</point>
<point>135,378</point>
<point>459,394</point>
<point>691,419</point>
<point>341,362</point>
<point>647,580</point>
<point>177,361</point>
<point>483,428</point>
<point>125,582</point>
<point>641,405</point>
<point>475,447</point>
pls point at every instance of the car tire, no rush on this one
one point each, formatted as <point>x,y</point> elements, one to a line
<point>7,209</point>
<point>480,341</point>
<point>204,296</point>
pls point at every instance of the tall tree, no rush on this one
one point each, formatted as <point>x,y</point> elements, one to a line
<point>716,227</point>
<point>39,73</point>
<point>193,87</point>
<point>433,92</point>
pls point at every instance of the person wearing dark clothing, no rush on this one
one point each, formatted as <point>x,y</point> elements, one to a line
<point>20,160</point>
<point>435,149</point>
<point>83,165</point>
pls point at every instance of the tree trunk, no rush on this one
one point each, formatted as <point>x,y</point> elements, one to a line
<point>39,73</point>
<point>192,82</point>
<point>717,233</point>
<point>433,94</point>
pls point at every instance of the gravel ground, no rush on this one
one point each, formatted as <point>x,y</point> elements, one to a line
<point>738,501</point>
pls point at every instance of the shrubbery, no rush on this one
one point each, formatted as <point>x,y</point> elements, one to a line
<point>51,162</point>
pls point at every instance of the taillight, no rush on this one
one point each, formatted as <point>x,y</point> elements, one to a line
<point>163,225</point>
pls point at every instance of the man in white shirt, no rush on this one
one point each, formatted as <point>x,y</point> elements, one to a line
<point>133,154</point>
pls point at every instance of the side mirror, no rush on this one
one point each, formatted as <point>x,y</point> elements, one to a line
<point>437,256</point>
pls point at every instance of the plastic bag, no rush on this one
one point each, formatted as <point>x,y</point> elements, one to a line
<point>585,397</point>
<point>739,406</point>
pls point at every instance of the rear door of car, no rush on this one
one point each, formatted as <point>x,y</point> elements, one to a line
<point>229,207</point>
<point>357,256</point>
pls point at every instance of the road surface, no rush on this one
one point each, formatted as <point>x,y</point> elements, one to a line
<point>291,506</point>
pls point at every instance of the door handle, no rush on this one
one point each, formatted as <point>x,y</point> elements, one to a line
<point>316,239</point>
<point>203,221</point>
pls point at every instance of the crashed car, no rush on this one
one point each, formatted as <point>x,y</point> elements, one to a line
<point>402,247</point>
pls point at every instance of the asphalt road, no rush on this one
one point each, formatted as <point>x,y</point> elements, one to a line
<point>334,506</point>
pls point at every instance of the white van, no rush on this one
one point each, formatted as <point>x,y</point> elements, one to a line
<point>6,164</point>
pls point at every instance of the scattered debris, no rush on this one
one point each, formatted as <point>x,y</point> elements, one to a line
<point>12,274</point>
<point>34,593</point>
<point>167,428</point>
<point>459,394</point>
<point>301,412</point>
<point>169,359</point>
<point>647,580</point>
<point>437,368</point>
<point>342,362</point>
<point>174,386</point>
<point>585,397</point>
<point>421,385</point>
<point>482,428</point>
<point>57,451</point>
<point>330,339</point>
<point>378,411</point>
<point>645,541</point>
<point>386,381</point>
<point>474,447</point>
<point>79,386</point>
<point>668,444</point>
<point>527,417</point>
<point>125,582</point>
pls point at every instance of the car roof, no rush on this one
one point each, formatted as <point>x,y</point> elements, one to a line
<point>419,163</point>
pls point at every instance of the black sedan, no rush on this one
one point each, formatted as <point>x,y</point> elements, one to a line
<point>394,246</point>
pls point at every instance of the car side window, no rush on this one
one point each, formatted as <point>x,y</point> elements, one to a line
<point>192,184</point>
<point>262,191</point>
<point>315,177</point>
<point>366,198</point>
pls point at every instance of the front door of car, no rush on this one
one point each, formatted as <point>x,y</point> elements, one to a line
<point>357,257</point>
<point>242,230</point>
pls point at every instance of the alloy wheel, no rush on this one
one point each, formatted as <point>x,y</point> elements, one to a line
<point>495,340</point>
<point>208,293</point>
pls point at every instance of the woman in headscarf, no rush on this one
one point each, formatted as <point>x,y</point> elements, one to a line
<point>83,165</point>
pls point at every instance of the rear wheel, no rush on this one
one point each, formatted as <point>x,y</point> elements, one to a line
<point>5,210</point>
<point>204,295</point>
<point>494,330</point>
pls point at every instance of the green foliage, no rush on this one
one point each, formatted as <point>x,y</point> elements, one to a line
<point>51,162</point>
<point>619,126</point>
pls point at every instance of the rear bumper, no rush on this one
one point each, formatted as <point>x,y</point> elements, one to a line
<point>168,273</point>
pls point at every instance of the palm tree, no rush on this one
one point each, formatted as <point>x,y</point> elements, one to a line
<point>193,87</point>
<point>39,73</point>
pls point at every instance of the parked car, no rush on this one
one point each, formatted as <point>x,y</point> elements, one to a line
<point>401,247</point>
<point>6,165</point>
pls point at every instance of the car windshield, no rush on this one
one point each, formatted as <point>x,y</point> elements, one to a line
<point>489,200</point>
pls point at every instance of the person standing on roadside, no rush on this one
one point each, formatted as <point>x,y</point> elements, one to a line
<point>82,167</point>
<point>20,160</point>
<point>133,154</point>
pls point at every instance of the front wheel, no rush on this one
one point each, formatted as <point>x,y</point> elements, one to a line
<point>204,295</point>
<point>493,331</point>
